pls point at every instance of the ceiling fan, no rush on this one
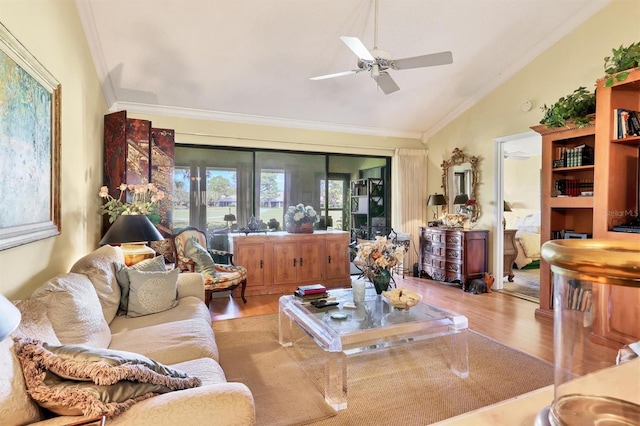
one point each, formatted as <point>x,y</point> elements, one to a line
<point>378,62</point>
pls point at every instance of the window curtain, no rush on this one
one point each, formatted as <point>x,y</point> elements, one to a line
<point>409,189</point>
<point>244,191</point>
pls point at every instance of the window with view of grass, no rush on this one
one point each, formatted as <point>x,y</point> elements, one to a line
<point>211,183</point>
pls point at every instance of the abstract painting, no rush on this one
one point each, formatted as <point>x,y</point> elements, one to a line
<point>30,146</point>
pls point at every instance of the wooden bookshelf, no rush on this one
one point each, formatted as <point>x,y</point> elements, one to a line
<point>563,208</point>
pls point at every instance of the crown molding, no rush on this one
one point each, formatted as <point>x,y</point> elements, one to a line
<point>260,120</point>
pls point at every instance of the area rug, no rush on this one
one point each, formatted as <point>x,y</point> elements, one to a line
<point>409,385</point>
<point>526,284</point>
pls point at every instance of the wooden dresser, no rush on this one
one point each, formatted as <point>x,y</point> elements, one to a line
<point>453,254</point>
<point>510,252</point>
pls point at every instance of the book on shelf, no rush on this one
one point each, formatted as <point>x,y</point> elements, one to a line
<point>311,289</point>
<point>580,296</point>
<point>626,123</point>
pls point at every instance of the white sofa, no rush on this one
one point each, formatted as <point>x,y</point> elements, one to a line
<point>80,308</point>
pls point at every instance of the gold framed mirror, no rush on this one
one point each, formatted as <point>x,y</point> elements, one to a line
<point>460,175</point>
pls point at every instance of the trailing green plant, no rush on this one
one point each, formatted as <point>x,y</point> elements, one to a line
<point>576,107</point>
<point>621,60</point>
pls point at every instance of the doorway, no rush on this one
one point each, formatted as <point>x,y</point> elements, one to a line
<point>517,170</point>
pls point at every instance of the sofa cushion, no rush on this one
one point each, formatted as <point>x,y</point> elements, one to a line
<point>122,277</point>
<point>151,292</point>
<point>74,310</point>
<point>206,369</point>
<point>98,266</point>
<point>169,343</point>
<point>204,263</point>
<point>74,379</point>
<point>35,322</point>
<point>187,308</point>
<point>17,407</point>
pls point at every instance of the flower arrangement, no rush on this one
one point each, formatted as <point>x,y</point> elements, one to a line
<point>378,255</point>
<point>469,207</point>
<point>143,199</point>
<point>300,218</point>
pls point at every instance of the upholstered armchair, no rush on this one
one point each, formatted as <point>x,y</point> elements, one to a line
<point>192,255</point>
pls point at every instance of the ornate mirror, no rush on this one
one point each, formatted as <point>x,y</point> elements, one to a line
<point>460,176</point>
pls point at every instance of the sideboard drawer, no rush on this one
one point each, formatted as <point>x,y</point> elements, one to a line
<point>453,255</point>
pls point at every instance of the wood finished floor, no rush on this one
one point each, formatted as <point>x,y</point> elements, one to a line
<point>507,319</point>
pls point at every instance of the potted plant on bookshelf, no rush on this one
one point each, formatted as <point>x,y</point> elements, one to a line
<point>577,108</point>
<point>622,59</point>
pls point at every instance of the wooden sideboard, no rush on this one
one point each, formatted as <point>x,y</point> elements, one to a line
<point>453,254</point>
<point>279,262</point>
<point>510,252</point>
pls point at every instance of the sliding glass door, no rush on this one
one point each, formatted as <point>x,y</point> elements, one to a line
<point>211,184</point>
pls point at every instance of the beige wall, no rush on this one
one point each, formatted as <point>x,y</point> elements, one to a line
<point>577,60</point>
<point>522,182</point>
<point>51,31</point>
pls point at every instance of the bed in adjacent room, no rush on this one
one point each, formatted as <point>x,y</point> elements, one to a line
<point>527,239</point>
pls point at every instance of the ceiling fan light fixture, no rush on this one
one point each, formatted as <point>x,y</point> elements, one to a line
<point>375,71</point>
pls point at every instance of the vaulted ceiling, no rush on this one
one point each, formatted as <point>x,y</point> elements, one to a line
<point>250,61</point>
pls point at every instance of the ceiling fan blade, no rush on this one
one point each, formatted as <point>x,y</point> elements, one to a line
<point>386,83</point>
<point>442,58</point>
<point>358,48</point>
<point>338,74</point>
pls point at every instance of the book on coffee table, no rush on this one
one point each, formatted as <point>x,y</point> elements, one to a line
<point>311,296</point>
<point>311,289</point>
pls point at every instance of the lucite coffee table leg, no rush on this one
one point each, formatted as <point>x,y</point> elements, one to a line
<point>335,380</point>
<point>285,328</point>
<point>460,348</point>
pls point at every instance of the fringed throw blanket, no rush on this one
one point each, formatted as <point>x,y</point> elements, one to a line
<point>80,380</point>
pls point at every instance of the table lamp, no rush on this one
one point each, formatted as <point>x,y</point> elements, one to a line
<point>436,200</point>
<point>132,231</point>
<point>9,317</point>
<point>507,208</point>
<point>229,218</point>
<point>461,199</point>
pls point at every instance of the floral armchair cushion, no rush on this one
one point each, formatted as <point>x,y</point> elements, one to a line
<point>190,250</point>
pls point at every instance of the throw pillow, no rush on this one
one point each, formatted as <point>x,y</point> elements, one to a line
<point>98,266</point>
<point>201,257</point>
<point>122,276</point>
<point>74,310</point>
<point>151,292</point>
<point>35,322</point>
<point>74,380</point>
<point>530,244</point>
<point>18,408</point>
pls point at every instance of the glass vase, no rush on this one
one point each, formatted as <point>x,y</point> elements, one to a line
<point>381,280</point>
<point>591,280</point>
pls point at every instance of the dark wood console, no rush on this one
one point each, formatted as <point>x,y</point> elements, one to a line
<point>453,254</point>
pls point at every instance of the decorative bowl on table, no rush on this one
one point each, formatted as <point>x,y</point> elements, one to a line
<point>402,299</point>
<point>454,220</point>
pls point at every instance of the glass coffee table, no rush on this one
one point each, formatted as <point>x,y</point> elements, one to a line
<point>373,324</point>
